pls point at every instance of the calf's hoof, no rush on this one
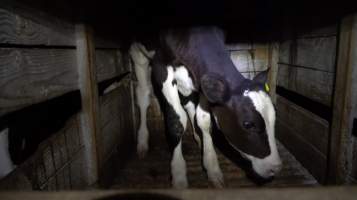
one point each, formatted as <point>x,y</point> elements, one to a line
<point>180,183</point>
<point>142,150</point>
<point>217,179</point>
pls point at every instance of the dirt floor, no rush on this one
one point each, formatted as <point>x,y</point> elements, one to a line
<point>153,171</point>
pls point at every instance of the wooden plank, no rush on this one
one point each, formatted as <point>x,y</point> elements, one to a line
<point>340,128</point>
<point>312,128</point>
<point>250,61</point>
<point>317,53</point>
<point>239,47</point>
<point>316,85</point>
<point>273,60</point>
<point>308,155</point>
<point>115,118</point>
<point>22,30</point>
<point>287,193</point>
<point>101,42</point>
<point>30,76</point>
<point>109,107</point>
<point>108,64</point>
<point>317,30</point>
<point>89,127</point>
<point>261,57</point>
<point>284,51</point>
<point>242,60</point>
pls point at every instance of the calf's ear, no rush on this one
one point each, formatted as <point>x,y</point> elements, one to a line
<point>261,77</point>
<point>215,88</point>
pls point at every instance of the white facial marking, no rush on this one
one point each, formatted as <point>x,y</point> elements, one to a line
<point>143,90</point>
<point>184,82</point>
<point>6,164</point>
<point>178,169</point>
<point>210,160</point>
<point>170,92</point>
<point>271,164</point>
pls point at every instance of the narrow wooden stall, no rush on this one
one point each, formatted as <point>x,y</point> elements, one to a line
<point>64,125</point>
<point>68,114</point>
<point>305,83</point>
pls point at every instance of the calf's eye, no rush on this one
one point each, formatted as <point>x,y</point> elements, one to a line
<point>248,125</point>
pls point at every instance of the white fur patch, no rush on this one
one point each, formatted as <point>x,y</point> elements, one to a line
<point>184,82</point>
<point>6,165</point>
<point>143,90</point>
<point>170,92</point>
<point>191,110</point>
<point>271,164</point>
<point>178,169</point>
<point>210,160</point>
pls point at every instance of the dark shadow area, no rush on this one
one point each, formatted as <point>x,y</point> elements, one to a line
<point>258,20</point>
<point>31,125</point>
<point>319,109</point>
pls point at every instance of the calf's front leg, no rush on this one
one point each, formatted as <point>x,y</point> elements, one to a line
<point>210,161</point>
<point>175,122</point>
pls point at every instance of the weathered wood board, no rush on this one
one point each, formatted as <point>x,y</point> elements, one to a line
<point>109,64</point>
<point>314,53</point>
<point>252,61</point>
<point>115,119</point>
<point>29,76</point>
<point>316,85</point>
<point>57,164</point>
<point>317,53</point>
<point>22,30</point>
<point>312,159</point>
<point>309,126</point>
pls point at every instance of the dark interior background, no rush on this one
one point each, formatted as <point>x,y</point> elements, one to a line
<point>243,20</point>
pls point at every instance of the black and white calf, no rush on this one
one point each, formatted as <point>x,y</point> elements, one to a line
<point>194,77</point>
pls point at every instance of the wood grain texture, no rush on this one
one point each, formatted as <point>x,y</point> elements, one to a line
<point>312,159</point>
<point>309,126</point>
<point>57,163</point>
<point>109,64</point>
<point>317,53</point>
<point>89,94</point>
<point>340,128</point>
<point>284,51</point>
<point>249,63</point>
<point>315,85</point>
<point>115,120</point>
<point>22,30</point>
<point>273,60</point>
<point>29,76</point>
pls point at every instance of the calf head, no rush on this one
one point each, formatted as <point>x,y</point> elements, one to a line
<point>246,117</point>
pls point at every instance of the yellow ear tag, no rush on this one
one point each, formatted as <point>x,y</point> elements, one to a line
<point>267,87</point>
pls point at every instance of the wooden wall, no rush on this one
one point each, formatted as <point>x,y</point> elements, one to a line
<point>305,84</point>
<point>343,151</point>
<point>249,58</point>
<point>41,58</point>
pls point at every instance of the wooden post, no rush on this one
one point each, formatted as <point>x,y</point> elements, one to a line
<point>273,60</point>
<point>89,92</point>
<point>339,134</point>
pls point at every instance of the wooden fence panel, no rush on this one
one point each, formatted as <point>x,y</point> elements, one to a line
<point>29,76</point>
